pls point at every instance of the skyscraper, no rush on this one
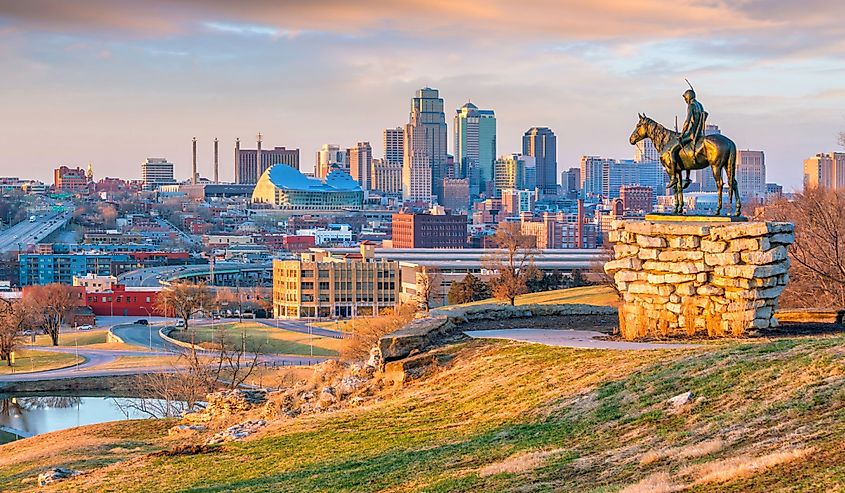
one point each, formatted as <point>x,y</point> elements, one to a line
<point>825,170</point>
<point>515,171</point>
<point>386,176</point>
<point>751,173</point>
<point>424,161</point>
<point>394,145</point>
<point>330,156</point>
<point>570,182</point>
<point>646,152</point>
<point>604,177</point>
<point>541,144</point>
<point>475,146</point>
<point>360,164</point>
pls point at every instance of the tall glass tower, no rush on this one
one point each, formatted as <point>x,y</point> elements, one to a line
<point>475,146</point>
<point>541,144</point>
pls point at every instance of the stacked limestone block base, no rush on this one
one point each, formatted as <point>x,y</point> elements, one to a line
<point>698,278</point>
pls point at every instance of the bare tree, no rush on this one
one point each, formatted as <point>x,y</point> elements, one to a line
<point>817,274</point>
<point>12,321</point>
<point>365,332</point>
<point>513,261</point>
<point>429,281</point>
<point>184,385</point>
<point>50,305</point>
<point>184,300</point>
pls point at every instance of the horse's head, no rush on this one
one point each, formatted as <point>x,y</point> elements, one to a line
<point>639,133</point>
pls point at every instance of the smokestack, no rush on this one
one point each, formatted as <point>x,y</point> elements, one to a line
<point>194,165</point>
<point>216,163</point>
<point>258,169</point>
<point>238,160</point>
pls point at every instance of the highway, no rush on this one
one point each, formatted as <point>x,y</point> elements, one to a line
<point>29,233</point>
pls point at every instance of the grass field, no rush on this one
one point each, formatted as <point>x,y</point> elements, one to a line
<point>79,337</point>
<point>264,339</point>
<point>29,361</point>
<point>766,416</point>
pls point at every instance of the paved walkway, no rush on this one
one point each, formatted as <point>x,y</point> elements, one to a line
<point>583,339</point>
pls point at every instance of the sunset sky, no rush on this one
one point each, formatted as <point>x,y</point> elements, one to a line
<point>113,82</point>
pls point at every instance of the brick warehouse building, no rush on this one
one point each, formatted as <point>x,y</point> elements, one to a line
<point>429,230</point>
<point>120,300</point>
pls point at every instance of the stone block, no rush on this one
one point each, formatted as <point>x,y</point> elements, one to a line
<point>728,258</point>
<point>770,256</point>
<point>748,245</point>
<point>685,242</point>
<point>621,250</point>
<point>630,263</point>
<point>648,253</point>
<point>639,227</point>
<point>709,246</point>
<point>751,229</point>
<point>782,239</point>
<point>710,290</point>
<point>685,289</point>
<point>651,241</point>
<point>679,255</point>
<point>626,276</point>
<point>751,271</point>
<point>681,229</point>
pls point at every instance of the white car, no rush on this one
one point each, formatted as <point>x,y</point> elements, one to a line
<point>85,327</point>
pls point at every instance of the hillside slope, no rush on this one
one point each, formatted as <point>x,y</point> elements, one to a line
<point>767,415</point>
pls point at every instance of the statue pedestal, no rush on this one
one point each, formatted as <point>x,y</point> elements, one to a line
<point>698,278</point>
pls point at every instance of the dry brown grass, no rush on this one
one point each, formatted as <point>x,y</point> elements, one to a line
<point>518,463</point>
<point>367,331</point>
<point>721,471</point>
<point>659,482</point>
<point>691,451</point>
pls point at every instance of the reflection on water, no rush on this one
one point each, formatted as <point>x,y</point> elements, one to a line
<point>42,414</point>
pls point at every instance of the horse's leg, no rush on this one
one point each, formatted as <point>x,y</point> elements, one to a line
<point>717,175</point>
<point>679,193</point>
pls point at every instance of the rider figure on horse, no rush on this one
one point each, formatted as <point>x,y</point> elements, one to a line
<point>691,135</point>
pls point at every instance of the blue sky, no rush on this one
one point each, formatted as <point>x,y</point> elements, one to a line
<point>113,82</point>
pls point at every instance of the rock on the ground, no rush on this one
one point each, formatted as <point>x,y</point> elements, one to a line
<point>680,399</point>
<point>237,432</point>
<point>56,474</point>
<point>184,429</point>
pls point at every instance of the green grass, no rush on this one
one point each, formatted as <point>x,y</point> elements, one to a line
<point>30,361</point>
<point>598,414</point>
<point>264,339</point>
<point>76,338</point>
<point>590,295</point>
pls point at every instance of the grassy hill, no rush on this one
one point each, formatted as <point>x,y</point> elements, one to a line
<point>767,415</point>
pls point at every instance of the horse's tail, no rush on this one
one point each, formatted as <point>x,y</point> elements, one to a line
<point>732,184</point>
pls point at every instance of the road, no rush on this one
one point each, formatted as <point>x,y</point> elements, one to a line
<point>94,359</point>
<point>582,339</point>
<point>301,327</point>
<point>144,336</point>
<point>29,233</point>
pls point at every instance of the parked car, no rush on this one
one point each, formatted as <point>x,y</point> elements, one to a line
<point>180,323</point>
<point>85,327</point>
<point>142,321</point>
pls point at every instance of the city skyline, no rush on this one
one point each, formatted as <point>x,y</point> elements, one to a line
<point>113,84</point>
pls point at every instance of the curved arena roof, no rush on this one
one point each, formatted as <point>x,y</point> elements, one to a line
<point>287,178</point>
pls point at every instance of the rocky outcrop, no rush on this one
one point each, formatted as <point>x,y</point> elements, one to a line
<point>237,432</point>
<point>56,474</point>
<point>693,278</point>
<point>445,322</point>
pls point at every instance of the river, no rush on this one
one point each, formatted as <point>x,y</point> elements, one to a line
<point>34,415</point>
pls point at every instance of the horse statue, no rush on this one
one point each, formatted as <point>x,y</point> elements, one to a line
<point>716,151</point>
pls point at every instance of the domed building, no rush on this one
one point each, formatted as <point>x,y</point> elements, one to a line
<point>286,188</point>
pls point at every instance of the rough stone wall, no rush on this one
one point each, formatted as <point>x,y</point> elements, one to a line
<point>698,278</point>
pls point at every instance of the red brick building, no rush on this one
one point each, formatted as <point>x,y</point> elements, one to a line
<point>120,300</point>
<point>636,198</point>
<point>70,179</point>
<point>429,231</point>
